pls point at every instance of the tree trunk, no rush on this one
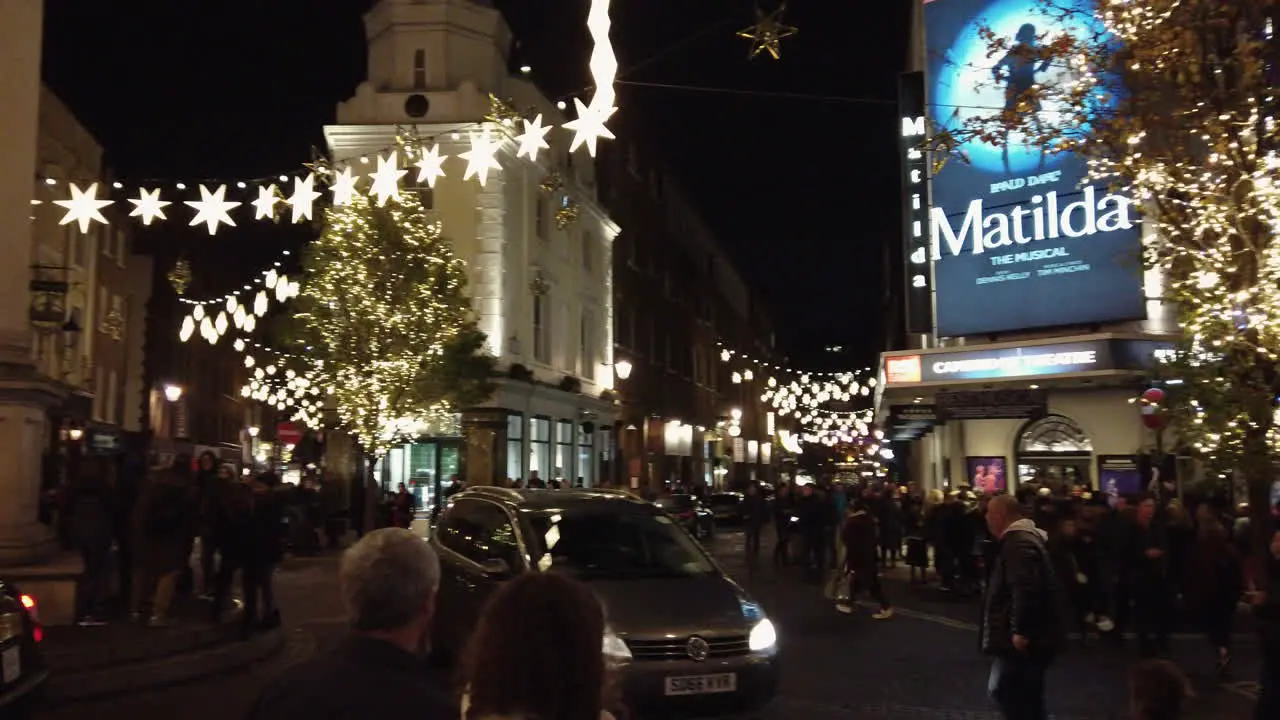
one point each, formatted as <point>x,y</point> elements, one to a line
<point>1255,465</point>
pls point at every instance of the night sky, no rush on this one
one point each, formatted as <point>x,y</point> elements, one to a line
<point>793,161</point>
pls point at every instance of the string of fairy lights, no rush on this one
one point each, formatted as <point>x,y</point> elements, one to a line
<point>807,395</point>
<point>304,385</point>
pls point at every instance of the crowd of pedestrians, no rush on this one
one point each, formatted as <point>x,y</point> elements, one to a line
<point>148,536</point>
<point>1048,565</point>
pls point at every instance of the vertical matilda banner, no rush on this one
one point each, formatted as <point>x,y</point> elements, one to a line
<point>915,203</point>
<point>1019,241</point>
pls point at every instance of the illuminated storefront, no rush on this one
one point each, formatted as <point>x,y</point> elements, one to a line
<point>1001,414</point>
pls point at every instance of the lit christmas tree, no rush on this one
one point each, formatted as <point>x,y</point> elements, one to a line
<point>1174,102</point>
<point>385,323</point>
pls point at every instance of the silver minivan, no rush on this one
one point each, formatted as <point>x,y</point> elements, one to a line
<point>691,642</point>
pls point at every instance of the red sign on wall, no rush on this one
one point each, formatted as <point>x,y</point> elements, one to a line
<point>288,433</point>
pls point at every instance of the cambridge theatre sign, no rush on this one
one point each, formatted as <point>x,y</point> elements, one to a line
<point>1007,363</point>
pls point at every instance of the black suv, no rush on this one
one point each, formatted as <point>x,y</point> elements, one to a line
<point>691,640</point>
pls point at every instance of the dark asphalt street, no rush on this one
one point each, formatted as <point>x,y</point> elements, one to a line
<point>921,665</point>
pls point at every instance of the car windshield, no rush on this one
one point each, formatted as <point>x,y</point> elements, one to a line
<point>675,502</point>
<point>725,499</point>
<point>614,544</point>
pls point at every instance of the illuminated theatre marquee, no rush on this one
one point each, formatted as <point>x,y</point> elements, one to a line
<point>1018,364</point>
<point>1004,363</point>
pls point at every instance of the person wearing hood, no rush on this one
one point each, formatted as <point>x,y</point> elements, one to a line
<point>1022,624</point>
<point>860,539</point>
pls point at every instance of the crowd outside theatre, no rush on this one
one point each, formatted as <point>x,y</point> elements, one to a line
<point>1102,568</point>
<point>180,532</point>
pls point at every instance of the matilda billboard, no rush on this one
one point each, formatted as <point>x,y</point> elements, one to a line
<point>1018,240</point>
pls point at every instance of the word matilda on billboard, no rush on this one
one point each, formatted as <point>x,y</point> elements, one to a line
<point>1017,237</point>
<point>981,231</point>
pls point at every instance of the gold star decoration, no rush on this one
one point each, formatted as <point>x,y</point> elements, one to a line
<point>567,214</point>
<point>502,111</point>
<point>180,276</point>
<point>551,183</point>
<point>767,34</point>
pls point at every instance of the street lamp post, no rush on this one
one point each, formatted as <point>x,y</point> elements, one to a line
<point>173,393</point>
<point>622,370</point>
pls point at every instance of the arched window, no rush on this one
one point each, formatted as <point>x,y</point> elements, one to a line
<point>1053,435</point>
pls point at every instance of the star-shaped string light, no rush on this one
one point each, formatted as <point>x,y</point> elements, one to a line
<point>590,127</point>
<point>386,179</point>
<point>343,187</point>
<point>767,34</point>
<point>431,165</point>
<point>303,197</point>
<point>148,206</point>
<point>532,139</point>
<point>482,157</point>
<point>84,208</point>
<point>265,205</point>
<point>212,208</point>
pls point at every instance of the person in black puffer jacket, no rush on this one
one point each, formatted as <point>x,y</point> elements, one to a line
<point>1022,615</point>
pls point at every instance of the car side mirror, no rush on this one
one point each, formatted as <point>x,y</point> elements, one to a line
<point>496,567</point>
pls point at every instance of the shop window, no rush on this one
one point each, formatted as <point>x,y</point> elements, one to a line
<point>515,447</point>
<point>564,451</point>
<point>540,447</point>
<point>586,455</point>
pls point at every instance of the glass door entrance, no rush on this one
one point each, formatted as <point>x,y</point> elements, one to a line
<point>1058,473</point>
<point>1055,452</point>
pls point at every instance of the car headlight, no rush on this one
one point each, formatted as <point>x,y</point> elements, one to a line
<point>615,649</point>
<point>763,636</point>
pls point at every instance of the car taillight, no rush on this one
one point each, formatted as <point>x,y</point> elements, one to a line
<point>29,603</point>
<point>38,634</point>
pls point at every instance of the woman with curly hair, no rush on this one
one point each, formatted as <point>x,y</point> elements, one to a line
<point>537,653</point>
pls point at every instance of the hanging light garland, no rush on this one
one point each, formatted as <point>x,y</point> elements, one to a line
<point>240,310</point>
<point>212,204</point>
<point>806,395</point>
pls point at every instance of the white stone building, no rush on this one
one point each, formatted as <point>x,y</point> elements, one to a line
<point>542,294</point>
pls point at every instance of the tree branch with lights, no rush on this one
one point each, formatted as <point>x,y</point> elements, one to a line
<point>385,323</point>
<point>1173,102</point>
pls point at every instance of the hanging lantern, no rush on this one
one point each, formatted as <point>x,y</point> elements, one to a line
<point>180,276</point>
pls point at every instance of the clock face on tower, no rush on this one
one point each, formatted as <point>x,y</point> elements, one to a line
<point>417,105</point>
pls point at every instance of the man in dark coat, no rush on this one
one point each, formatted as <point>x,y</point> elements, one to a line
<point>754,516</point>
<point>1022,620</point>
<point>389,581</point>
<point>860,539</point>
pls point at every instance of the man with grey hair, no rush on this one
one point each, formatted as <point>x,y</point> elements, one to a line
<point>389,581</point>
